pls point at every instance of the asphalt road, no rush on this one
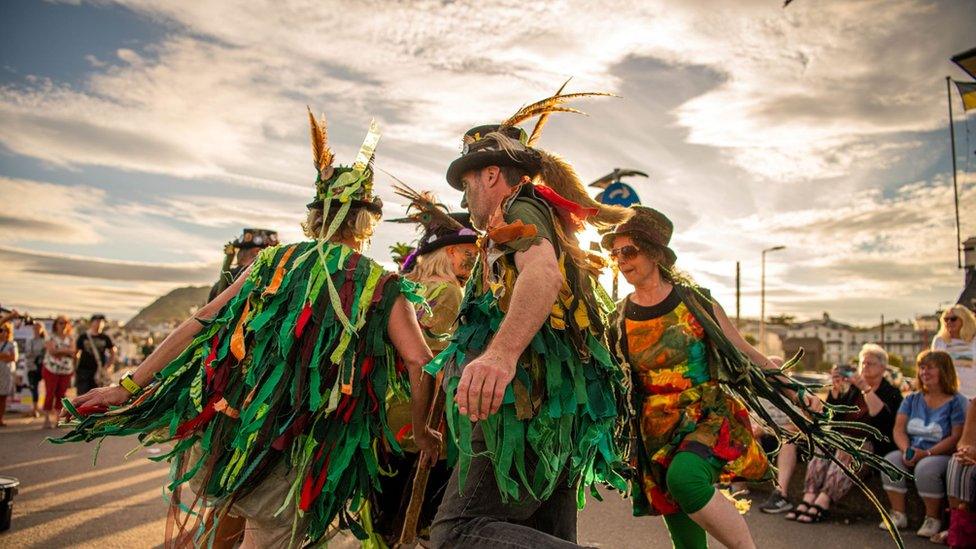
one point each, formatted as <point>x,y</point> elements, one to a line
<point>65,501</point>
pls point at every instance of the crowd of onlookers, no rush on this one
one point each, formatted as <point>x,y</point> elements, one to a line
<point>927,428</point>
<point>58,359</point>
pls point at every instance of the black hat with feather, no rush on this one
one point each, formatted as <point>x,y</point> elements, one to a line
<point>441,228</point>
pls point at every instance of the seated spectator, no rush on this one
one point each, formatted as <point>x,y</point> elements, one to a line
<point>927,427</point>
<point>778,501</point>
<point>961,486</point>
<point>865,388</point>
<point>957,336</point>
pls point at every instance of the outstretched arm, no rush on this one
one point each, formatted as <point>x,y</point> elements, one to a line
<point>409,342</point>
<point>171,347</point>
<point>483,382</point>
<point>731,332</point>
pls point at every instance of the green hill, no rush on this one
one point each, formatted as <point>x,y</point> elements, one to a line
<point>176,305</point>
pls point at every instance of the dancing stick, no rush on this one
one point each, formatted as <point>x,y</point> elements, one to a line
<point>408,534</point>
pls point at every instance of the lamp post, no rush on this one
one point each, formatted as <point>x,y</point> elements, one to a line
<point>762,300</point>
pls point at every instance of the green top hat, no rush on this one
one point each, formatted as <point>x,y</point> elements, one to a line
<point>343,187</point>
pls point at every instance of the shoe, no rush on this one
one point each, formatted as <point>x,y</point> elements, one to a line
<point>775,504</point>
<point>942,538</point>
<point>900,520</point>
<point>930,527</point>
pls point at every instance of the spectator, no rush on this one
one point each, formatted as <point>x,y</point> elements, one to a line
<point>957,336</point>
<point>778,501</point>
<point>877,401</point>
<point>8,366</point>
<point>96,355</point>
<point>961,486</point>
<point>59,364</point>
<point>34,354</point>
<point>927,427</point>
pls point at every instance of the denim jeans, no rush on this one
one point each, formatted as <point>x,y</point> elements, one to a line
<point>478,518</point>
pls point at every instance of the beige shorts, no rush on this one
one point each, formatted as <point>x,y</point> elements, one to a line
<point>258,507</point>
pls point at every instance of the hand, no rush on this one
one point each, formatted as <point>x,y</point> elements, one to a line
<point>966,454</point>
<point>858,381</point>
<point>482,386</point>
<point>101,397</point>
<point>919,454</point>
<point>813,402</point>
<point>429,442</point>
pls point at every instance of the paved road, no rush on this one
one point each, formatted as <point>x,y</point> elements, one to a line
<point>66,502</point>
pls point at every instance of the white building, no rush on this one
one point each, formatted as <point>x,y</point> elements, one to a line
<point>838,338</point>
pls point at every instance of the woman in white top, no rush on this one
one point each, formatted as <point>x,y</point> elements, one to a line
<point>59,365</point>
<point>8,366</point>
<point>957,336</point>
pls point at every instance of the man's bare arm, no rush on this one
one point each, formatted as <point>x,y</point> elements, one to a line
<point>483,382</point>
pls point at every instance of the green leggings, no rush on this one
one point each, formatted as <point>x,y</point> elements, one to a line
<point>690,481</point>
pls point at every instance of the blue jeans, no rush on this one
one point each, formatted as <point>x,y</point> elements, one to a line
<point>478,518</point>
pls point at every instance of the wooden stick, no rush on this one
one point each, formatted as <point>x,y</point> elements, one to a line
<point>408,534</point>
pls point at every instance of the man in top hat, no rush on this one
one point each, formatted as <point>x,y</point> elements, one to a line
<point>246,248</point>
<point>530,383</point>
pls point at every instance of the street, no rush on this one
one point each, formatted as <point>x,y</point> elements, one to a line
<point>65,502</point>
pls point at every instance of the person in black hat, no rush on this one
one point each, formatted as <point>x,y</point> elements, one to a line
<point>693,381</point>
<point>529,380</point>
<point>441,262</point>
<point>96,356</point>
<point>245,248</point>
<point>273,397</point>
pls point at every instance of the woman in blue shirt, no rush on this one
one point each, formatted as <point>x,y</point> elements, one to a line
<point>927,427</point>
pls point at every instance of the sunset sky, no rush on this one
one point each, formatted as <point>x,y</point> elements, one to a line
<point>137,137</point>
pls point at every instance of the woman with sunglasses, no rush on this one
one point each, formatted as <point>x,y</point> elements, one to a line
<point>957,336</point>
<point>694,380</point>
<point>59,366</point>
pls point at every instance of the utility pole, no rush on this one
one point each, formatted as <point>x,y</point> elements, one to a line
<point>882,330</point>
<point>762,299</point>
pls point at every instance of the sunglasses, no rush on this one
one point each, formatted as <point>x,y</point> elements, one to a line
<point>627,252</point>
<point>951,318</point>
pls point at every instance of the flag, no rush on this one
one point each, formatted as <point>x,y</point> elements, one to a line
<point>967,90</point>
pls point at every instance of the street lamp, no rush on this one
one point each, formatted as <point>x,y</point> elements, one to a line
<point>762,300</point>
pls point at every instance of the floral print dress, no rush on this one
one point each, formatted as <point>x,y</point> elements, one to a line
<point>678,406</point>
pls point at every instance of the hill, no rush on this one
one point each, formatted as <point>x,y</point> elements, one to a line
<point>176,305</point>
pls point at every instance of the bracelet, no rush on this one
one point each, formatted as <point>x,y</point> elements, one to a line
<point>129,384</point>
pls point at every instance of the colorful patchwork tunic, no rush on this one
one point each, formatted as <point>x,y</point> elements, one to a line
<point>562,404</point>
<point>294,371</point>
<point>679,407</point>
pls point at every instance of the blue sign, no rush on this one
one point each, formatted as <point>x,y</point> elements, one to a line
<point>619,194</point>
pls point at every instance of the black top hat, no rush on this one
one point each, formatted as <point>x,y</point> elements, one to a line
<point>481,147</point>
<point>440,227</point>
<point>649,225</point>
<point>256,238</point>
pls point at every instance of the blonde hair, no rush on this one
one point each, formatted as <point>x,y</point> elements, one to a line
<point>948,381</point>
<point>358,225</point>
<point>9,326</point>
<point>68,328</point>
<point>433,266</point>
<point>874,350</point>
<point>968,329</point>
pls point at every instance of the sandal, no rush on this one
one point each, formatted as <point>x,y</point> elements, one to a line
<point>797,511</point>
<point>813,515</point>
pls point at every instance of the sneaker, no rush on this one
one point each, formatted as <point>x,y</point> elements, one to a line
<point>899,518</point>
<point>930,527</point>
<point>775,504</point>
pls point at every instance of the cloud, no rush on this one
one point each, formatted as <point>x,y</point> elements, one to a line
<point>39,211</point>
<point>84,267</point>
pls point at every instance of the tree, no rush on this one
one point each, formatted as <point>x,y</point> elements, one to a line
<point>782,320</point>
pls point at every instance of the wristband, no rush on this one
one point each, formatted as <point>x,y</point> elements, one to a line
<point>129,384</point>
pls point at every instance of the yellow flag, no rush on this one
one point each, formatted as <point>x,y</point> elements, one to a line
<point>967,90</point>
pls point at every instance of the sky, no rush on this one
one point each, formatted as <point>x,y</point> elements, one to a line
<point>137,137</point>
